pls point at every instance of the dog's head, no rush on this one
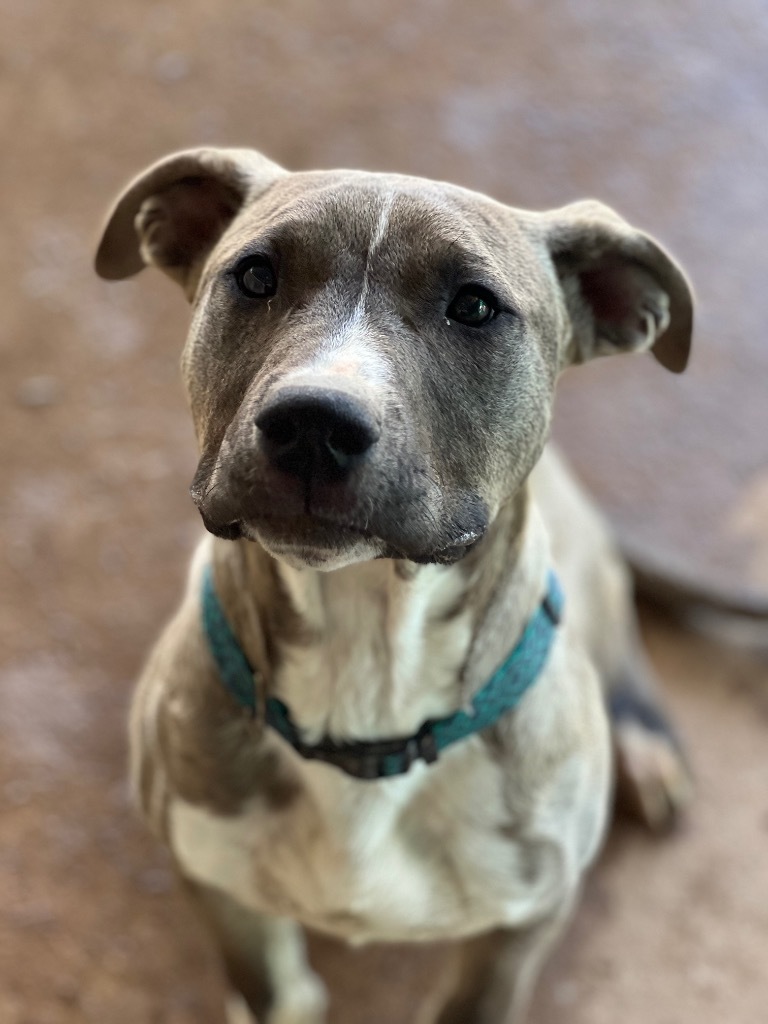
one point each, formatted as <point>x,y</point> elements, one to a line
<point>372,358</point>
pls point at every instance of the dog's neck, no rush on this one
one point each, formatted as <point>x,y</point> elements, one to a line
<point>375,649</point>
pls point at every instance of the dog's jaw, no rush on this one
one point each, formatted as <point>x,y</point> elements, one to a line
<point>329,547</point>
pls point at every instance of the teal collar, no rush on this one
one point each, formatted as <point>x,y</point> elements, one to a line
<point>383,758</point>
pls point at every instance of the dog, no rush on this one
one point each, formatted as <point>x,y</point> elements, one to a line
<point>373,714</point>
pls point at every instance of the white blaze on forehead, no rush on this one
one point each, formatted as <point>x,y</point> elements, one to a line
<point>383,221</point>
<point>345,352</point>
<point>376,239</point>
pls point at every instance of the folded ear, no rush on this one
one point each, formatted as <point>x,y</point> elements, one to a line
<point>174,212</point>
<point>623,291</point>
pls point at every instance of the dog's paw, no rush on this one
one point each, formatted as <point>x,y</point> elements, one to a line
<point>237,1011</point>
<point>305,1003</point>
<point>653,779</point>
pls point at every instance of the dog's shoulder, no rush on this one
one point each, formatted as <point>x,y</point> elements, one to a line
<point>189,739</point>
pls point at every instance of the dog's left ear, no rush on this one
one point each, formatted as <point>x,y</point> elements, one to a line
<point>624,293</point>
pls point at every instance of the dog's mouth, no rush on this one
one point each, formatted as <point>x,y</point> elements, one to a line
<point>330,525</point>
<point>306,530</point>
<point>315,539</point>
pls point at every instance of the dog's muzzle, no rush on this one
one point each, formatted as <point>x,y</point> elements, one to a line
<point>309,473</point>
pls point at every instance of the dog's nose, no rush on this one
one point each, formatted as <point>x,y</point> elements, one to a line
<point>316,432</point>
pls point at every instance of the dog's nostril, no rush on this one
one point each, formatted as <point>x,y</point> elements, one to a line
<point>350,438</point>
<point>281,430</point>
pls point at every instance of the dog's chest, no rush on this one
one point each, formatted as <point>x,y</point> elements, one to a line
<point>419,856</point>
<point>413,858</point>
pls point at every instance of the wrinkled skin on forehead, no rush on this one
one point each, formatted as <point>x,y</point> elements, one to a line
<point>367,266</point>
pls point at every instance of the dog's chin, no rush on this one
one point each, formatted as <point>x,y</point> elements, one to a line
<point>322,558</point>
<point>309,544</point>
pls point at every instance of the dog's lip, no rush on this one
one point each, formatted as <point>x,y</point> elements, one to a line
<point>317,524</point>
<point>452,552</point>
<point>307,522</point>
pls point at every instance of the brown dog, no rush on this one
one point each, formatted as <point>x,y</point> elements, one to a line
<point>323,735</point>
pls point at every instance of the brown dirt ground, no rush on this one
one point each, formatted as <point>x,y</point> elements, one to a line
<point>96,451</point>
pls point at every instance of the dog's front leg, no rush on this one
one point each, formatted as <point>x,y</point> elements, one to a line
<point>266,964</point>
<point>495,975</point>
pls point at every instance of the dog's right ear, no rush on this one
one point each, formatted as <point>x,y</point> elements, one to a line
<point>173,214</point>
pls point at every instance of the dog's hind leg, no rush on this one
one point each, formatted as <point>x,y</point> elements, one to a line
<point>653,777</point>
<point>265,962</point>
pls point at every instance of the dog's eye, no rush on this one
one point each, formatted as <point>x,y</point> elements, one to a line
<point>473,306</point>
<point>256,278</point>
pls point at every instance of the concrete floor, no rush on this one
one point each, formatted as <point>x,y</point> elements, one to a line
<point>653,109</point>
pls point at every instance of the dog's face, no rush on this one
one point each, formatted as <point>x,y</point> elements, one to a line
<point>372,358</point>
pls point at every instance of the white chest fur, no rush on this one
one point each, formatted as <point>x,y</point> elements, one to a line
<point>411,858</point>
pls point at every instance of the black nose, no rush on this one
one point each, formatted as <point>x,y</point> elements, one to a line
<point>316,432</point>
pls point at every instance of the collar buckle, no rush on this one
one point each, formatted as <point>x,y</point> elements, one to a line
<point>423,745</point>
<point>378,759</point>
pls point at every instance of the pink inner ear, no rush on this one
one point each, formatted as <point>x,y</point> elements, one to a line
<point>613,292</point>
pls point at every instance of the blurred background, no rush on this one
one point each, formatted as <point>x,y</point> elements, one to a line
<point>656,108</point>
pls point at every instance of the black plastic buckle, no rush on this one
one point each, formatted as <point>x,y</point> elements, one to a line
<point>368,760</point>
